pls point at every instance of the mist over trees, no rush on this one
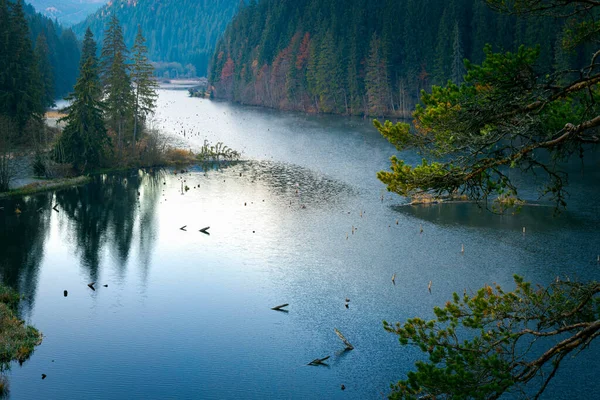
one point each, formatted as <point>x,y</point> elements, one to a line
<point>183,31</point>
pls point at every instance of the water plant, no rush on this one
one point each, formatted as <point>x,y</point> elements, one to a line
<point>217,152</point>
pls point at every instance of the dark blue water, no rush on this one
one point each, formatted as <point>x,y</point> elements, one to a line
<point>187,315</point>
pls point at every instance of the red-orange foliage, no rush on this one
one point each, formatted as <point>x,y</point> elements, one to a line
<point>302,57</point>
<point>228,70</point>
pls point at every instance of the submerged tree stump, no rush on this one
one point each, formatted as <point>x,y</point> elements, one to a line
<point>319,361</point>
<point>346,342</point>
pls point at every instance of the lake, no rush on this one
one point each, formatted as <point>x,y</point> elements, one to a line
<point>302,220</point>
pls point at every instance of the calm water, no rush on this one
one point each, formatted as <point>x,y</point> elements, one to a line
<point>187,315</point>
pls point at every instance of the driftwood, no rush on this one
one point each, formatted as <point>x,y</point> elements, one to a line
<point>205,230</point>
<point>319,361</point>
<point>183,227</point>
<point>279,307</point>
<point>346,342</point>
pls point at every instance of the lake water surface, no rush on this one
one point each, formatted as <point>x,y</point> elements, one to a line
<point>187,315</point>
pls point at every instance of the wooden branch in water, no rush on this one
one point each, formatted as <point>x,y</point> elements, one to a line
<point>346,342</point>
<point>319,361</point>
<point>279,308</point>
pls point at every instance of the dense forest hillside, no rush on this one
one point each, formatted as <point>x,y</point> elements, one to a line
<point>67,12</point>
<point>362,56</point>
<point>63,49</point>
<point>183,31</point>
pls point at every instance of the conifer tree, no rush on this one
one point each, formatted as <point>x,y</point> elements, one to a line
<point>144,85</point>
<point>21,91</point>
<point>458,65</point>
<point>46,75</point>
<point>4,56</point>
<point>89,48</point>
<point>377,85</point>
<point>118,91</point>
<point>84,136</point>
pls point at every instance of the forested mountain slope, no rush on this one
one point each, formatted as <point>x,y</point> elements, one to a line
<point>63,49</point>
<point>362,56</point>
<point>67,12</point>
<point>183,31</point>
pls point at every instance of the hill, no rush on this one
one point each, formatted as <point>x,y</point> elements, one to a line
<point>67,12</point>
<point>361,57</point>
<point>183,31</point>
<point>63,49</point>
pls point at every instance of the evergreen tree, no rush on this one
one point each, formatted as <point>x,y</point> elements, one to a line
<point>89,48</point>
<point>118,91</point>
<point>5,86</point>
<point>21,92</point>
<point>143,83</point>
<point>46,76</point>
<point>458,65</point>
<point>377,85</point>
<point>84,136</point>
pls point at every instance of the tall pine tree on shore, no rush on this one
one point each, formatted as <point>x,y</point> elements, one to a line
<point>19,83</point>
<point>89,48</point>
<point>144,85</point>
<point>46,75</point>
<point>118,91</point>
<point>84,137</point>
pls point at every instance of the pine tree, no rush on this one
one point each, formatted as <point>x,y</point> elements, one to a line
<point>118,90</point>
<point>89,48</point>
<point>46,76</point>
<point>376,83</point>
<point>84,137</point>
<point>5,86</point>
<point>21,97</point>
<point>458,65</point>
<point>144,84</point>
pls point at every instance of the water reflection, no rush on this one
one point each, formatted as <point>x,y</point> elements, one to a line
<point>22,240</point>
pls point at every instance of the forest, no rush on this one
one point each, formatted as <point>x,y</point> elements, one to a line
<point>62,51</point>
<point>184,31</point>
<point>360,57</point>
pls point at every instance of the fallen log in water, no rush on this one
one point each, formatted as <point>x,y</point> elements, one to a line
<point>346,342</point>
<point>319,361</point>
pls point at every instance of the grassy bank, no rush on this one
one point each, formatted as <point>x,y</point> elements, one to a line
<point>17,340</point>
<point>43,186</point>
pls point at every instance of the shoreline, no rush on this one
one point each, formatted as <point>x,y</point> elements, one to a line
<point>46,185</point>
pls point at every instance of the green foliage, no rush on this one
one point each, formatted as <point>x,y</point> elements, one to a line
<point>46,75</point>
<point>118,89</point>
<point>504,116</point>
<point>144,85</point>
<point>20,95</point>
<point>217,152</point>
<point>84,137</point>
<point>483,345</point>
<point>17,341</point>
